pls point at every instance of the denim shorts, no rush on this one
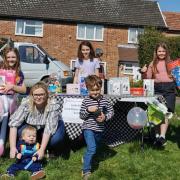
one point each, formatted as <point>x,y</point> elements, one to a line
<point>167,90</point>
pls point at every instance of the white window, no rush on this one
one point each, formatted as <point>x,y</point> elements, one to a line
<point>29,27</point>
<point>90,32</point>
<point>133,34</point>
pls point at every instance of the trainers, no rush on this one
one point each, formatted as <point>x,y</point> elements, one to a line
<point>38,175</point>
<point>86,175</point>
<point>6,176</point>
<point>160,142</point>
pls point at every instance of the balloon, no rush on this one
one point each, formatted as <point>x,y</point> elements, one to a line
<point>137,118</point>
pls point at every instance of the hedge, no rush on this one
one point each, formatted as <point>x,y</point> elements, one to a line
<point>148,41</point>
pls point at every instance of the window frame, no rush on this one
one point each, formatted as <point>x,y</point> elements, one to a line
<point>138,31</point>
<point>94,33</point>
<point>25,25</point>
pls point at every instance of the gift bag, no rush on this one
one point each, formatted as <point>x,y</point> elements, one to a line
<point>155,116</point>
<point>7,77</point>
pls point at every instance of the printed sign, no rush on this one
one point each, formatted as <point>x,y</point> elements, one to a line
<point>71,109</point>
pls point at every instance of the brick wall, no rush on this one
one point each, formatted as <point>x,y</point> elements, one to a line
<point>59,40</point>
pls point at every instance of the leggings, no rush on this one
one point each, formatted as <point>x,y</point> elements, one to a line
<point>7,107</point>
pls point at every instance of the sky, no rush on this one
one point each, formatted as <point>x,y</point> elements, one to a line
<point>170,5</point>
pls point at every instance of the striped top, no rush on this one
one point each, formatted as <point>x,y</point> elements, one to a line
<point>47,119</point>
<point>89,120</point>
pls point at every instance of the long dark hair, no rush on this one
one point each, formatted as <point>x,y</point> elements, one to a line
<point>5,64</point>
<point>155,58</point>
<point>80,54</point>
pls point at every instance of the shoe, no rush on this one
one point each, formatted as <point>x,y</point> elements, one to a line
<point>6,176</point>
<point>86,175</point>
<point>162,141</point>
<point>38,175</point>
<point>155,143</point>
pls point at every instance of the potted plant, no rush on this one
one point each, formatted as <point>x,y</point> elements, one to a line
<point>136,88</point>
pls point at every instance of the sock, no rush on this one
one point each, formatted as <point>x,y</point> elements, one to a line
<point>157,135</point>
<point>163,136</point>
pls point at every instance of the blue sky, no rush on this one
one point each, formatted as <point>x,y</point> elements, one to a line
<point>169,5</point>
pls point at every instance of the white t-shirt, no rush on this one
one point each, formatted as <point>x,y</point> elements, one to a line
<point>87,67</point>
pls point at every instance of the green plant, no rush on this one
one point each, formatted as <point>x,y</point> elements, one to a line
<point>148,41</point>
<point>138,83</point>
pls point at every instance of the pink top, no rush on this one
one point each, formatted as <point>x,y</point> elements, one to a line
<point>162,75</point>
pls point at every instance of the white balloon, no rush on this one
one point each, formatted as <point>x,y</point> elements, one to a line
<point>137,118</point>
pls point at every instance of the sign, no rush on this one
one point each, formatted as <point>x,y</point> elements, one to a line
<point>71,109</point>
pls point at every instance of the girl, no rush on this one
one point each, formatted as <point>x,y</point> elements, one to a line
<point>42,112</point>
<point>164,85</point>
<point>86,64</point>
<point>7,100</point>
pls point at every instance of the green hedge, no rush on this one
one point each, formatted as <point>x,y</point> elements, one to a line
<point>147,44</point>
<point>148,41</point>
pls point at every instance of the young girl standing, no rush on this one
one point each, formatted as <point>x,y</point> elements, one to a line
<point>164,85</point>
<point>86,63</point>
<point>7,99</point>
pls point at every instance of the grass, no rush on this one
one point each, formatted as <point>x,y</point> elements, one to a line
<point>126,162</point>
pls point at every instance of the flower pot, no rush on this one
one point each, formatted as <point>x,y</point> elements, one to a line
<point>137,91</point>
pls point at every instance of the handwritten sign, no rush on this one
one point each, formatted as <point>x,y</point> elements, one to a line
<point>71,109</point>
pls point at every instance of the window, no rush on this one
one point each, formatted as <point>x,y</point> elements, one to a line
<point>30,54</point>
<point>127,68</point>
<point>90,32</point>
<point>29,28</point>
<point>133,34</point>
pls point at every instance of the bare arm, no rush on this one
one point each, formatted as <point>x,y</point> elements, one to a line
<point>18,89</point>
<point>44,142</point>
<point>12,141</point>
<point>97,72</point>
<point>76,76</point>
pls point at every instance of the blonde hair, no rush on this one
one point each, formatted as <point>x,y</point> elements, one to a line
<point>36,86</point>
<point>28,128</point>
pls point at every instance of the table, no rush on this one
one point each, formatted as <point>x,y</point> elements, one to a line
<point>117,130</point>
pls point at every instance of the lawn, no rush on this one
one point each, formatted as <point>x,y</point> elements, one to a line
<point>126,162</point>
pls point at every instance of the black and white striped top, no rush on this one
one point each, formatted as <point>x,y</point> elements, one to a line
<point>48,119</point>
<point>89,120</point>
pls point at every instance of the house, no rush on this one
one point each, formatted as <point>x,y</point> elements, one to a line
<point>59,25</point>
<point>173,23</point>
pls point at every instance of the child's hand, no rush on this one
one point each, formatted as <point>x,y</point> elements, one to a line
<point>144,68</point>
<point>19,155</point>
<point>13,152</point>
<point>34,158</point>
<point>92,108</point>
<point>8,87</point>
<point>40,153</point>
<point>101,118</point>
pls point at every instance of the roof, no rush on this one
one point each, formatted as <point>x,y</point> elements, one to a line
<point>111,12</point>
<point>173,20</point>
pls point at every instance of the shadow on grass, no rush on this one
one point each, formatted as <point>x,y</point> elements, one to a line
<point>103,153</point>
<point>68,145</point>
<point>173,134</point>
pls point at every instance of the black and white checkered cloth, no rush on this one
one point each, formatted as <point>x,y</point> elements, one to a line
<point>117,130</point>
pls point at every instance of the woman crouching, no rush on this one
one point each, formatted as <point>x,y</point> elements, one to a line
<point>42,112</point>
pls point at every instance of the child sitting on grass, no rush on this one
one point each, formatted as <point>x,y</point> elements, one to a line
<point>26,156</point>
<point>95,110</point>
